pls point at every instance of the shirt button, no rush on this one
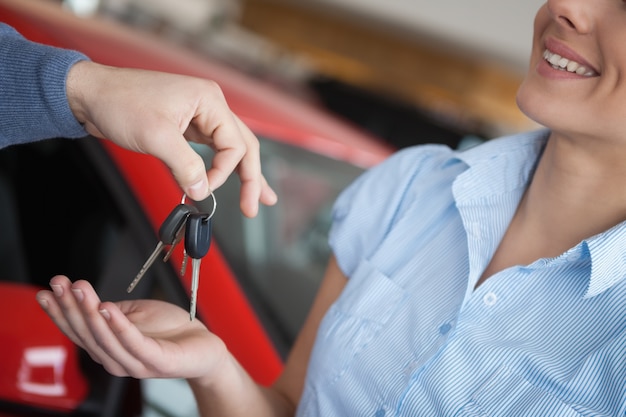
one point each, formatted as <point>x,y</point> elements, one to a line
<point>445,328</point>
<point>380,413</point>
<point>490,299</point>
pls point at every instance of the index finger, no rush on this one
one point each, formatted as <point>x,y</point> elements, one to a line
<point>243,156</point>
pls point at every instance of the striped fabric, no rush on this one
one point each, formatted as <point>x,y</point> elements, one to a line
<point>410,336</point>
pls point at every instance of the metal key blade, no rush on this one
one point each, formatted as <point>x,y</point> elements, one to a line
<point>183,266</point>
<point>145,267</point>
<point>170,233</point>
<point>197,242</point>
<point>195,278</point>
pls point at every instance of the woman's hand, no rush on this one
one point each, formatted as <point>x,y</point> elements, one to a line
<point>142,339</point>
<point>156,113</point>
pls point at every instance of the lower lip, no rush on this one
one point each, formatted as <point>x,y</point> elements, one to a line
<point>545,69</point>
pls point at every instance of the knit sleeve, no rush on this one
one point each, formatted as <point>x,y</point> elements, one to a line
<point>33,100</point>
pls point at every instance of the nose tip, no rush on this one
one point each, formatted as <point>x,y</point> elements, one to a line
<point>571,14</point>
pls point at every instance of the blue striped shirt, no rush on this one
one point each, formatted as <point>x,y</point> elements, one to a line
<point>411,336</point>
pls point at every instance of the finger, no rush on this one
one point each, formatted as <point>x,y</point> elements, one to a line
<point>66,314</point>
<point>113,356</point>
<point>215,125</point>
<point>151,361</point>
<point>254,186</point>
<point>60,306</point>
<point>226,159</point>
<point>69,299</point>
<point>268,196</point>
<point>236,147</point>
<point>49,304</point>
<point>218,127</point>
<point>185,164</point>
<point>238,154</point>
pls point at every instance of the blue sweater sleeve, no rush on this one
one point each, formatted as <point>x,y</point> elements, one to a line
<point>33,100</point>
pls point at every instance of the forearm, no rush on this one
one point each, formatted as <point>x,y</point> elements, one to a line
<point>33,87</point>
<point>232,393</point>
<point>235,394</point>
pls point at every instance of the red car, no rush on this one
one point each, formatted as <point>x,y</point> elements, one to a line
<point>89,209</point>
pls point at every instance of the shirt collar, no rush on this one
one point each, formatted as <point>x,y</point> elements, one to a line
<point>523,147</point>
<point>513,158</point>
<point>607,251</point>
<point>516,157</point>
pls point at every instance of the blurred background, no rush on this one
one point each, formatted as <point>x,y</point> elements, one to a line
<point>406,71</point>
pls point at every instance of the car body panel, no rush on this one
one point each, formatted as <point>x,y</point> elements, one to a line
<point>39,364</point>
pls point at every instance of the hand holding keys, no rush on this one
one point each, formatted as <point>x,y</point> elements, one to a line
<point>196,228</point>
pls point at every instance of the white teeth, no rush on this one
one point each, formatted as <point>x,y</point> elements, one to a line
<point>564,64</point>
<point>572,66</point>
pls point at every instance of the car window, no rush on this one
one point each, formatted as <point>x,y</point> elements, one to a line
<point>280,256</point>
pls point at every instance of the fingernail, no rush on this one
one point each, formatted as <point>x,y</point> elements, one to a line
<point>199,190</point>
<point>105,314</point>
<point>57,289</point>
<point>43,303</point>
<point>78,293</point>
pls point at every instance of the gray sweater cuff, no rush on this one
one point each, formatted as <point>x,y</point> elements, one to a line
<point>33,100</point>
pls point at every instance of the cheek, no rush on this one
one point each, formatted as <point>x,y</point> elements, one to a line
<point>529,93</point>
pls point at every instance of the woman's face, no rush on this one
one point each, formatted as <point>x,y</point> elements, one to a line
<point>576,83</point>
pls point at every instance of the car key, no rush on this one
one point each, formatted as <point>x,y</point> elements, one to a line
<point>177,239</point>
<point>170,233</point>
<point>197,243</point>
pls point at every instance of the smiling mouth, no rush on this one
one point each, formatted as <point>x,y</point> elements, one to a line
<point>563,64</point>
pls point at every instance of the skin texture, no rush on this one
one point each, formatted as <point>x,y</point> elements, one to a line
<point>577,189</point>
<point>157,113</point>
<point>576,192</point>
<point>154,339</point>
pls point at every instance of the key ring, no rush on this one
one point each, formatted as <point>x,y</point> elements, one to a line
<point>214,203</point>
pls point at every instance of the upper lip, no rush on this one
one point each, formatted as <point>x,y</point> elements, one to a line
<point>565,51</point>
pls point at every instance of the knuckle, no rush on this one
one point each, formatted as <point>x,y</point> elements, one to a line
<point>213,88</point>
<point>254,145</point>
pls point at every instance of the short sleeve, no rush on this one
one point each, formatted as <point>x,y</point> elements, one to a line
<point>364,213</point>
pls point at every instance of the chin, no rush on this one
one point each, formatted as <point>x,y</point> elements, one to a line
<point>533,106</point>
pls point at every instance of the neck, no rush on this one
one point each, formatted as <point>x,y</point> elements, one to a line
<point>574,194</point>
<point>578,190</point>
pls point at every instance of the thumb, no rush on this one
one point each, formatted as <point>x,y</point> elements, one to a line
<point>186,166</point>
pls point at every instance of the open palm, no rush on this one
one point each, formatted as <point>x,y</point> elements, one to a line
<point>141,338</point>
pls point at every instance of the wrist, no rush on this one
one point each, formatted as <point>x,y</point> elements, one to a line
<point>224,370</point>
<point>228,390</point>
<point>79,83</point>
